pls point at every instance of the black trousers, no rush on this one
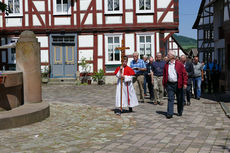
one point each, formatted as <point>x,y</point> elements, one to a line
<point>150,87</point>
<point>216,83</point>
<point>211,84</point>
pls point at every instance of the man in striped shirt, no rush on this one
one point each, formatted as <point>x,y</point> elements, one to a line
<point>138,65</point>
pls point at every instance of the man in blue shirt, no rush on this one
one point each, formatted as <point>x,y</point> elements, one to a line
<point>139,67</point>
<point>216,76</point>
<point>209,69</point>
<point>158,68</point>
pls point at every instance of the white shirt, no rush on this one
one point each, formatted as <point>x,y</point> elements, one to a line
<point>172,75</point>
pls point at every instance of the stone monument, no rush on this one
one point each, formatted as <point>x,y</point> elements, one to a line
<point>28,61</point>
<point>28,64</point>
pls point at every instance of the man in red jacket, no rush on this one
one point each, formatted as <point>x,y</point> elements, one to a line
<point>174,80</point>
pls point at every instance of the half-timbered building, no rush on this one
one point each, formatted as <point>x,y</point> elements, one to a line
<point>70,30</point>
<point>220,16</point>
<point>205,35</point>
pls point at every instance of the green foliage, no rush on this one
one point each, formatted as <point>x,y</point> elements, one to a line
<point>84,84</point>
<point>85,65</point>
<point>186,42</point>
<point>98,75</point>
<point>3,8</point>
<point>189,48</point>
<point>85,69</point>
<point>46,71</point>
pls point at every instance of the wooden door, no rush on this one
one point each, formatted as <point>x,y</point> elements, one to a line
<point>63,57</point>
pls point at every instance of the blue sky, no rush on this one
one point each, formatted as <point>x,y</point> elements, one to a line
<point>188,10</point>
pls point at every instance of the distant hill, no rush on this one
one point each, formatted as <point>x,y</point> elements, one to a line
<point>186,42</point>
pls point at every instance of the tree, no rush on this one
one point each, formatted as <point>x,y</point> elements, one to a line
<point>3,8</point>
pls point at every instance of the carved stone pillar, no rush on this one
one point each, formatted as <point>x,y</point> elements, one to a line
<point>28,61</point>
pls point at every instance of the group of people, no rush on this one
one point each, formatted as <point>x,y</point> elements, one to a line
<point>170,75</point>
<point>212,72</point>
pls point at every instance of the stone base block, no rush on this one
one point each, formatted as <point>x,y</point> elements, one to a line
<point>24,115</point>
<point>110,79</point>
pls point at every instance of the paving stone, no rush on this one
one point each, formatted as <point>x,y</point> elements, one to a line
<point>192,150</point>
<point>82,120</point>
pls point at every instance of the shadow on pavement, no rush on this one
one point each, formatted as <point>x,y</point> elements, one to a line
<point>224,147</point>
<point>223,97</point>
<point>150,103</point>
<point>123,111</point>
<point>161,113</point>
<point>164,113</point>
<point>212,96</point>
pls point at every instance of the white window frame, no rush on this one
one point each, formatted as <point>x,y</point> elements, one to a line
<point>152,52</point>
<point>15,14</point>
<point>106,48</point>
<point>61,13</point>
<point>145,11</point>
<point>114,12</point>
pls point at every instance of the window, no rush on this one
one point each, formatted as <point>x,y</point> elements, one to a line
<point>13,55</point>
<point>14,7</point>
<point>12,51</point>
<point>63,39</point>
<point>145,45</point>
<point>3,56</point>
<point>112,55</point>
<point>62,7</point>
<point>208,35</point>
<point>145,6</point>
<point>113,6</point>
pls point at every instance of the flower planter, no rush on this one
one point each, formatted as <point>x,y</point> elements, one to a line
<point>45,80</point>
<point>99,76</point>
<point>84,80</point>
<point>100,82</point>
<point>89,82</point>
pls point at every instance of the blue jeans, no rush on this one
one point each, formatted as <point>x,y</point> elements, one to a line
<point>172,90</point>
<point>197,86</point>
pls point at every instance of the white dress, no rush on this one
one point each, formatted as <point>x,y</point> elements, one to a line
<point>129,98</point>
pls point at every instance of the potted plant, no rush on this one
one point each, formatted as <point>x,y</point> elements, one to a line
<point>85,69</point>
<point>45,74</point>
<point>99,77</point>
<point>89,80</point>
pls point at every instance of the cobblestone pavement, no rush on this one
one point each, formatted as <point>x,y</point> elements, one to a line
<point>203,127</point>
<point>70,128</point>
<point>225,102</point>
